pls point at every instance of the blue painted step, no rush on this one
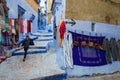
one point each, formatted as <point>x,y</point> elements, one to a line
<point>42,34</point>
<point>30,51</point>
<point>44,39</point>
<point>54,77</point>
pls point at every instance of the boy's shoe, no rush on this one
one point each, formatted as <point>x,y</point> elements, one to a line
<point>23,60</point>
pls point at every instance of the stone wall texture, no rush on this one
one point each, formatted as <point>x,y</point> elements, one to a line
<point>49,2</point>
<point>94,10</point>
<point>33,4</point>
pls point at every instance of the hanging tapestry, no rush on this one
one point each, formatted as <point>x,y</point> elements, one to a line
<point>106,44</point>
<point>10,25</point>
<point>62,29</point>
<point>118,47</point>
<point>1,27</point>
<point>6,39</point>
<point>6,19</point>
<point>6,23</point>
<point>88,56</point>
<point>28,26</point>
<point>0,37</point>
<point>113,49</point>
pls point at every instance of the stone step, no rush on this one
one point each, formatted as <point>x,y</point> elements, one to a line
<point>40,43</point>
<point>42,34</point>
<point>62,76</point>
<point>39,47</point>
<point>45,38</point>
<point>30,51</point>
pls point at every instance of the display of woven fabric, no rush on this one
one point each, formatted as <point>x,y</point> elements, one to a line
<point>88,56</point>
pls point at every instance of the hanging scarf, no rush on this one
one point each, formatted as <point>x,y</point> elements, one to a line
<point>67,44</point>
<point>10,25</point>
<point>6,39</point>
<point>6,23</point>
<point>118,47</point>
<point>13,26</point>
<point>0,37</point>
<point>62,28</point>
<point>25,26</point>
<point>6,19</point>
<point>21,26</point>
<point>28,26</point>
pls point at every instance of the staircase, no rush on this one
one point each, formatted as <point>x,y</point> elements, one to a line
<point>41,43</point>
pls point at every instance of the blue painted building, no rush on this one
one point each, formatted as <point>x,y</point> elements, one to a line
<point>21,9</point>
<point>42,14</point>
<point>107,30</point>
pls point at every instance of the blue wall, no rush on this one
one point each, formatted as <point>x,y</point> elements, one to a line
<point>100,28</point>
<point>13,11</point>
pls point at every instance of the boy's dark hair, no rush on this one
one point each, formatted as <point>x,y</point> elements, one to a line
<point>27,36</point>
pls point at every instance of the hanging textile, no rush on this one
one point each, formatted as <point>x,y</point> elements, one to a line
<point>6,38</point>
<point>0,37</point>
<point>10,25</point>
<point>13,26</point>
<point>62,29</point>
<point>9,40</point>
<point>6,23</point>
<point>113,47</point>
<point>16,29</point>
<point>29,26</point>
<point>21,26</point>
<point>67,44</point>
<point>6,27</point>
<point>1,27</point>
<point>118,48</point>
<point>88,56</point>
<point>6,19</point>
<point>2,22</point>
<point>25,26</point>
<point>106,44</point>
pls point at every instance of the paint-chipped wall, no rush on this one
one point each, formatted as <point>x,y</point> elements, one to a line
<point>49,4</point>
<point>93,10</point>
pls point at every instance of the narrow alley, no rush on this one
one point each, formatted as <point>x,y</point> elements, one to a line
<point>59,40</point>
